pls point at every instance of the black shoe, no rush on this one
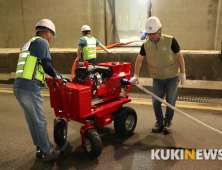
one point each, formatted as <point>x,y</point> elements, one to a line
<point>158,127</point>
<point>38,152</point>
<point>167,124</point>
<point>54,156</point>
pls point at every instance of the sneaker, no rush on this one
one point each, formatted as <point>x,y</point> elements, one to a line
<point>54,156</point>
<point>38,152</point>
<point>167,124</point>
<point>158,127</point>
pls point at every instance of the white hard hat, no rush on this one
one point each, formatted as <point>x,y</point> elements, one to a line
<point>152,25</point>
<point>48,24</point>
<point>85,28</point>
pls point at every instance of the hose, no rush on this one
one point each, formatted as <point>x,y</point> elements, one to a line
<point>118,44</point>
<point>177,110</point>
<point>74,67</point>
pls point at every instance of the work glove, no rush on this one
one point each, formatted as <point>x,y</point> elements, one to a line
<point>135,79</point>
<point>65,79</point>
<point>182,78</point>
<point>62,78</point>
<point>57,77</point>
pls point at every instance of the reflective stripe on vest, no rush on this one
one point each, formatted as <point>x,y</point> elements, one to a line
<point>29,67</point>
<point>89,51</point>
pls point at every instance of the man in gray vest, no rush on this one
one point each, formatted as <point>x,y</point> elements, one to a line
<point>35,60</point>
<point>166,67</point>
<point>87,46</point>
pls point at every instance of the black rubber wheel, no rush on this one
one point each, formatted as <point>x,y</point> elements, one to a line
<point>125,121</point>
<point>94,144</point>
<point>60,133</point>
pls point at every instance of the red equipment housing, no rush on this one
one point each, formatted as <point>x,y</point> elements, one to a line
<point>93,98</point>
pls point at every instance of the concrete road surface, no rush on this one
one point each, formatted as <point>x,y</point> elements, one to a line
<point>17,151</point>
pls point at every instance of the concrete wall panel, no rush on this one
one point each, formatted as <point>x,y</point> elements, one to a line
<point>18,20</point>
<point>68,17</point>
<point>10,23</point>
<point>218,32</point>
<point>192,23</point>
<point>98,19</point>
<point>196,24</point>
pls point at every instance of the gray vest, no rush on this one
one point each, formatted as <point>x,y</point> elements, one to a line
<point>162,61</point>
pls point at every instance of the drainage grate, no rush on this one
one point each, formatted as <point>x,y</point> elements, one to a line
<point>182,98</point>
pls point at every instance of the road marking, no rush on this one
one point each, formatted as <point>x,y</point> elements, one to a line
<point>148,103</point>
<point>6,91</point>
<point>45,95</point>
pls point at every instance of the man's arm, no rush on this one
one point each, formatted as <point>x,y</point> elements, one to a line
<point>138,64</point>
<point>79,51</point>
<point>182,76</point>
<point>104,48</point>
<point>47,67</point>
<point>181,62</point>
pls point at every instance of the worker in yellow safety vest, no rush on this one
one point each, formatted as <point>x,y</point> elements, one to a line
<point>87,46</point>
<point>35,60</point>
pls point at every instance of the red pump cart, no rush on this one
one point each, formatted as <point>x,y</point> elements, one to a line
<point>95,97</point>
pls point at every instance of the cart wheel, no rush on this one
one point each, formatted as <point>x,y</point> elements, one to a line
<point>94,144</point>
<point>125,121</point>
<point>60,133</point>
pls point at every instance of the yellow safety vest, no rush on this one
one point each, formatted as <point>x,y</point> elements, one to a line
<point>29,67</point>
<point>89,51</point>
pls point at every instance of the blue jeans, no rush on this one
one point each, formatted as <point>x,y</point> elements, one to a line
<point>32,104</point>
<point>160,88</point>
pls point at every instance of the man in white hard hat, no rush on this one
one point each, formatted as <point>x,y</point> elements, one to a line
<point>166,67</point>
<point>87,46</point>
<point>35,60</point>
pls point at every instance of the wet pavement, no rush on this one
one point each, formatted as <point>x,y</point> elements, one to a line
<point>17,151</point>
